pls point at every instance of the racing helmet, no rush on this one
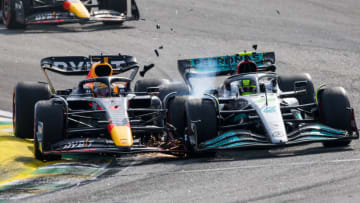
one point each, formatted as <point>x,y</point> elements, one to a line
<point>101,89</point>
<point>246,66</point>
<point>247,87</point>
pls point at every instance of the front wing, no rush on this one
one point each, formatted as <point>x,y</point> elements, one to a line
<point>60,17</point>
<point>305,134</point>
<point>104,146</point>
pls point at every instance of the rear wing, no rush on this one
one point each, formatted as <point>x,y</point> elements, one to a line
<point>80,65</point>
<point>223,65</point>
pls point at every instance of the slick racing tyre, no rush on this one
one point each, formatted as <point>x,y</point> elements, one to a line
<point>9,13</point>
<point>49,128</point>
<point>201,122</point>
<point>334,109</point>
<point>180,88</point>
<point>286,83</point>
<point>176,114</point>
<point>144,84</point>
<point>201,118</point>
<point>26,94</point>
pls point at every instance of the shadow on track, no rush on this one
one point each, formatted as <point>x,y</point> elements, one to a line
<point>228,156</point>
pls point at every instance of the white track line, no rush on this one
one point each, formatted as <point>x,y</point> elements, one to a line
<point>5,114</point>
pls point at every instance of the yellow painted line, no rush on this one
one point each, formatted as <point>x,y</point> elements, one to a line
<point>16,157</point>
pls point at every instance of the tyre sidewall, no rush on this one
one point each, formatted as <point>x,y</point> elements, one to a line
<point>25,96</point>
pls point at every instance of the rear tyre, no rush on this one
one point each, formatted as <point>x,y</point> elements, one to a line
<point>286,83</point>
<point>49,128</point>
<point>9,15</point>
<point>26,94</point>
<point>144,84</point>
<point>180,88</point>
<point>334,112</point>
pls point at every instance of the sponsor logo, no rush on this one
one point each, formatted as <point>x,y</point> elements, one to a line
<point>81,65</point>
<point>49,16</point>
<point>270,109</point>
<point>78,144</point>
<point>225,61</point>
<point>264,100</point>
<point>277,134</point>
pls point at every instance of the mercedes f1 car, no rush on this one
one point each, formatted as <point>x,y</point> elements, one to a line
<point>102,115</point>
<point>254,107</point>
<point>19,13</point>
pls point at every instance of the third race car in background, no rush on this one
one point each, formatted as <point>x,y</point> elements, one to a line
<point>19,13</point>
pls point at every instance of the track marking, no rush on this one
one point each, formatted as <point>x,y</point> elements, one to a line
<point>24,176</point>
<point>5,114</point>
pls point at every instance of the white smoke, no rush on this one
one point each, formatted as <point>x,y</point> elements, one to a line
<point>202,85</point>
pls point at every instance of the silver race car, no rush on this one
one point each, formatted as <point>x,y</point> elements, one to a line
<point>255,107</point>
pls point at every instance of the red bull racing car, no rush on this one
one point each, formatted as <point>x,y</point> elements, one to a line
<point>19,13</point>
<point>102,115</point>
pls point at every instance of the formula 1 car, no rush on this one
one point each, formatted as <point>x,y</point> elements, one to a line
<point>102,115</point>
<point>274,111</point>
<point>19,13</point>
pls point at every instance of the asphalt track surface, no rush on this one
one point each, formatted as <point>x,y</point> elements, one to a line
<point>315,36</point>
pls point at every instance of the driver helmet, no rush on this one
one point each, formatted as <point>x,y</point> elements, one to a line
<point>246,66</point>
<point>247,87</point>
<point>101,89</point>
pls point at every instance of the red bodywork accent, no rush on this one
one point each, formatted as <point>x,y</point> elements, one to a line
<point>245,63</point>
<point>67,5</point>
<point>110,127</point>
<point>46,21</point>
<point>89,75</point>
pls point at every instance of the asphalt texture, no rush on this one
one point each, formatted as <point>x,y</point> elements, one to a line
<point>314,36</point>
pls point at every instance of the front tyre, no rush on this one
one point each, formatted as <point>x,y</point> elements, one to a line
<point>115,5</point>
<point>9,13</point>
<point>334,111</point>
<point>49,128</point>
<point>201,122</point>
